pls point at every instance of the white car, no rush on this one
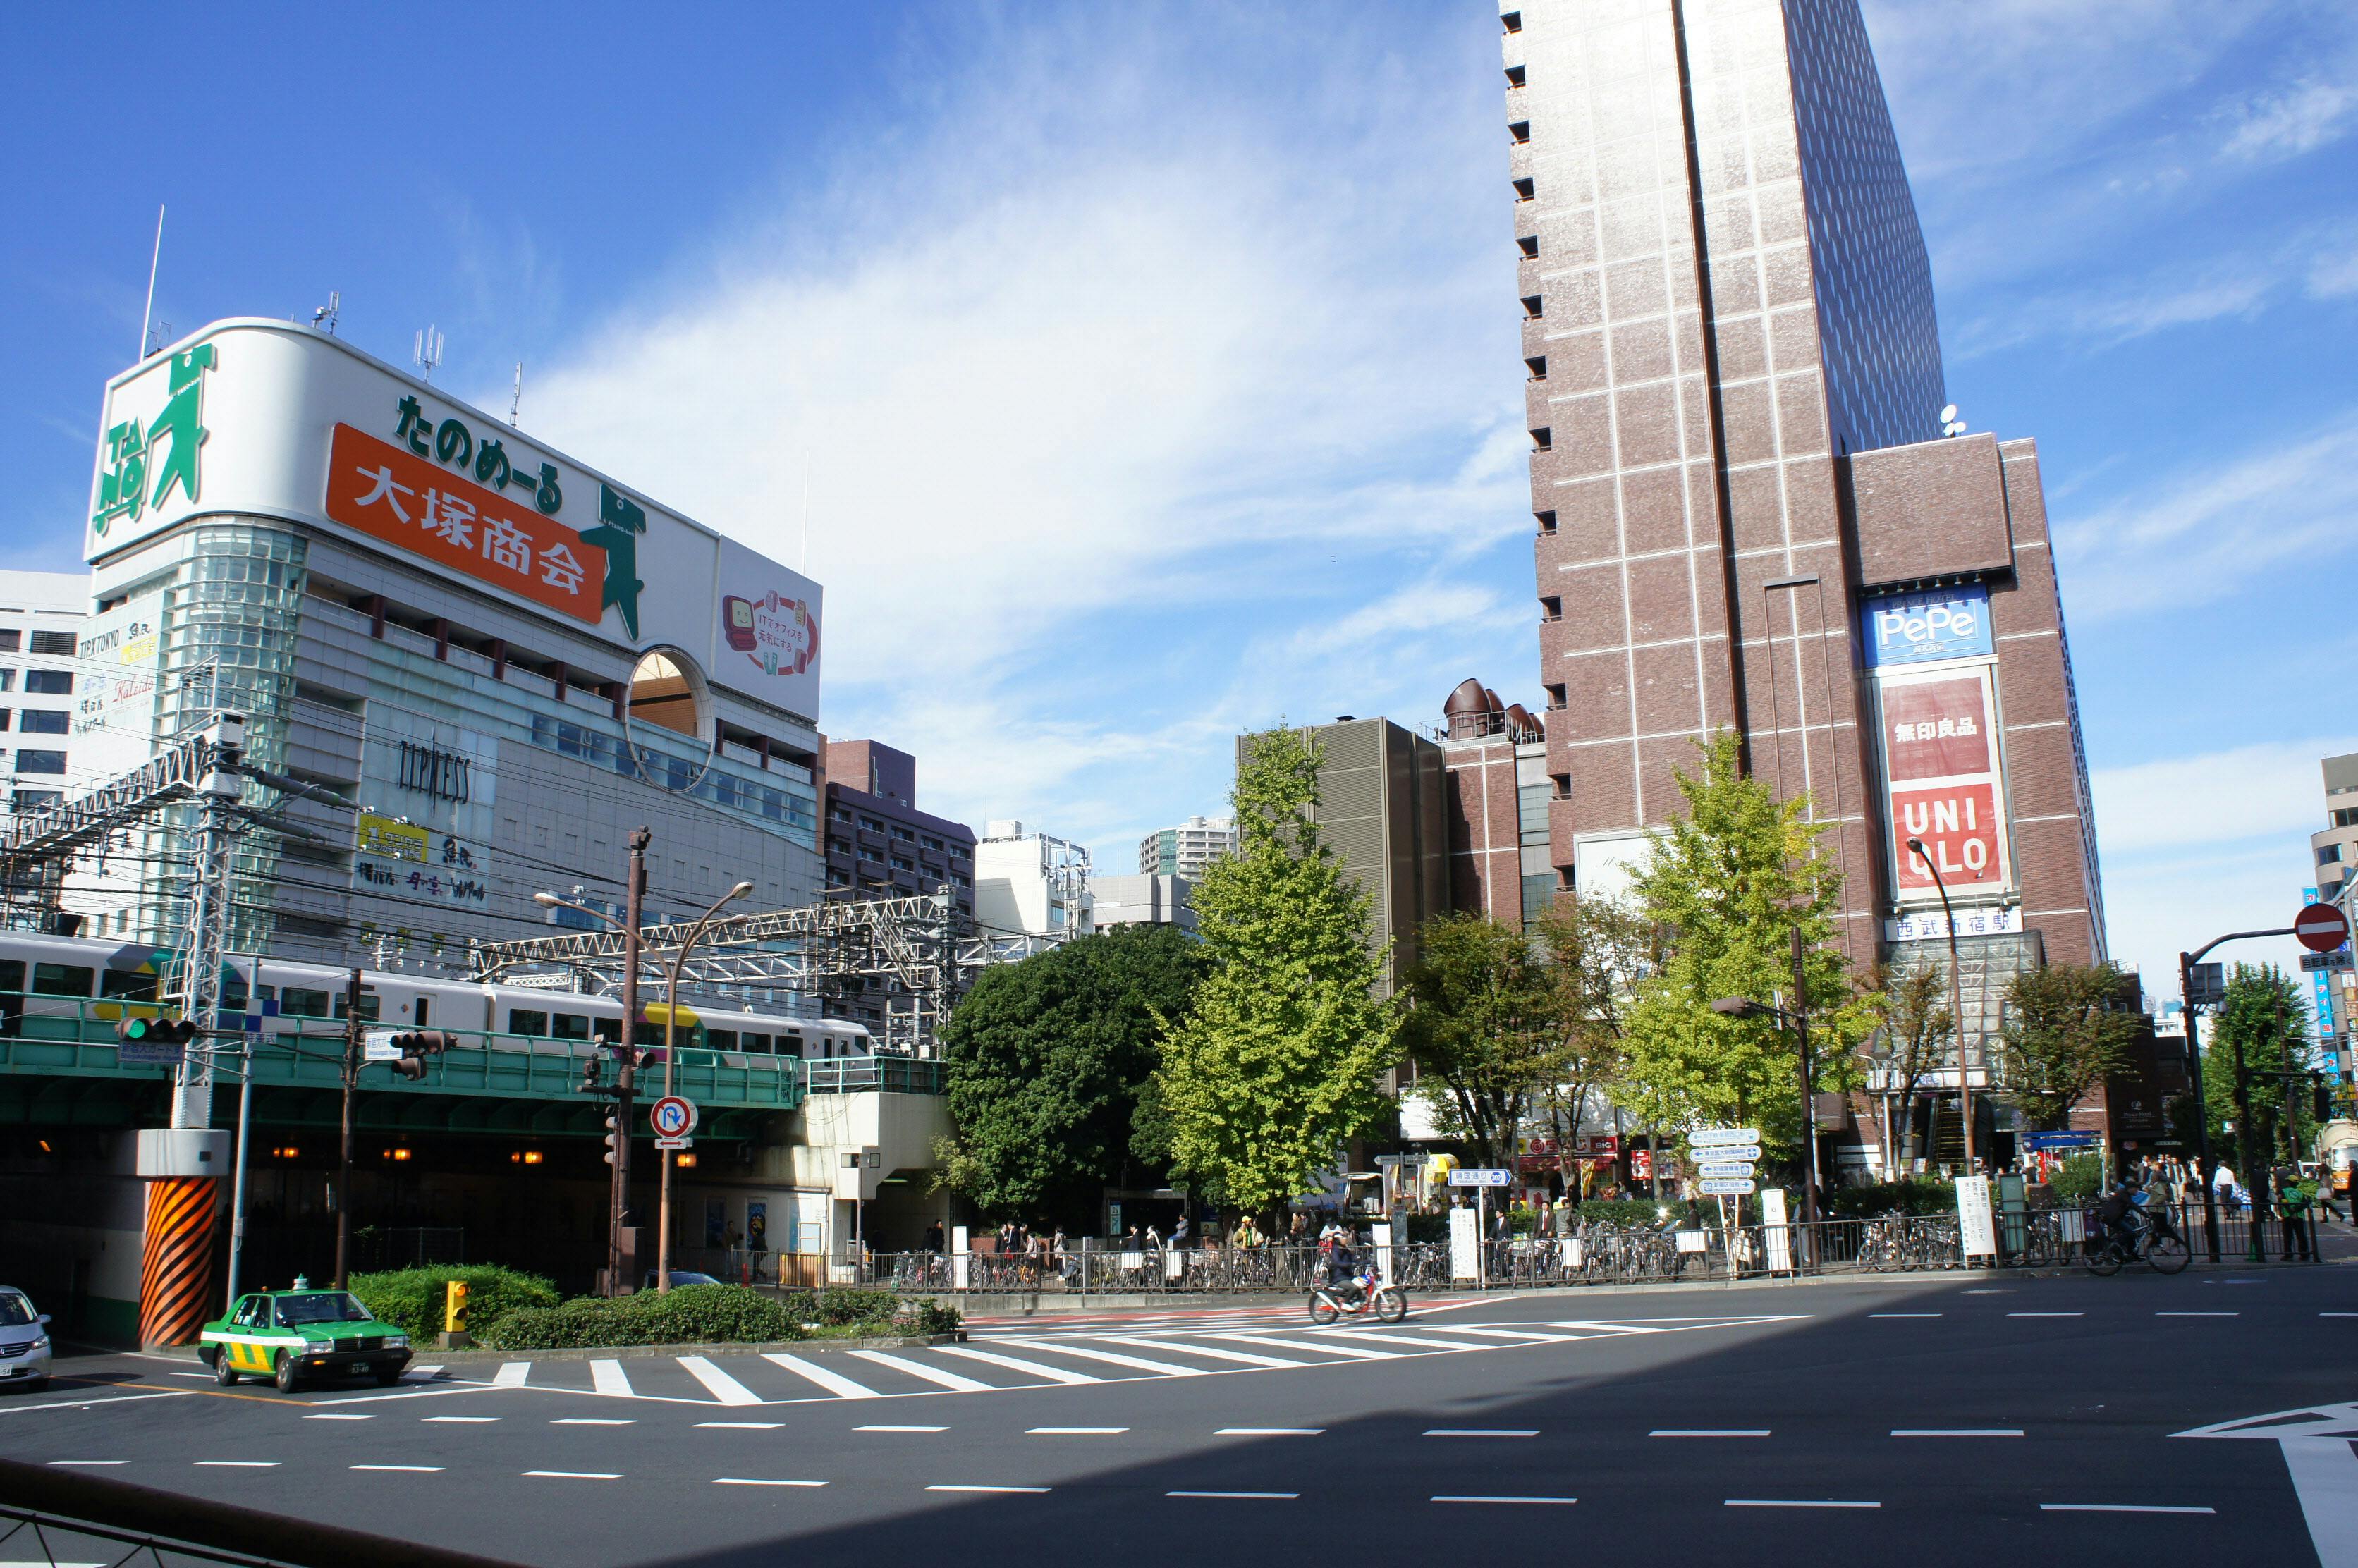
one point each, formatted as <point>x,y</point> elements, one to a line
<point>24,1341</point>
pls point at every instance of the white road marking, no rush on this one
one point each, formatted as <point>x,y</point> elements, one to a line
<point>1903,1314</point>
<point>2325,1475</point>
<point>340,1418</point>
<point>2118,1508</point>
<point>2338,1315</point>
<point>594,1421</point>
<point>1395,1336</point>
<point>727,1389</point>
<point>1016,1364</point>
<point>1269,1432</point>
<point>463,1420</point>
<point>418,1469</point>
<point>1606,1328</point>
<point>1956,1432</point>
<point>745,1425</point>
<point>1357,1352</point>
<point>511,1375</point>
<point>240,1464</point>
<point>2047,1315</point>
<point>1115,1358</point>
<point>1524,1335</point>
<point>1795,1503</point>
<point>90,1461</point>
<point>947,1488</point>
<point>607,1378</point>
<point>1256,1497</point>
<point>423,1374</point>
<point>1074,1431</point>
<point>752,1481</point>
<point>1245,1357</point>
<point>1480,1431</point>
<point>1455,1497</point>
<point>1709,1431</point>
<point>2198,1315</point>
<point>835,1383</point>
<point>915,1369</point>
<point>12,1409</point>
<point>201,1377</point>
<point>413,1394</point>
<point>900,1429</point>
<point>577,1475</point>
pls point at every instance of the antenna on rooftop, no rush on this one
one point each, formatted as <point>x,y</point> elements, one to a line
<point>1949,424</point>
<point>324,318</point>
<point>429,352</point>
<point>515,403</point>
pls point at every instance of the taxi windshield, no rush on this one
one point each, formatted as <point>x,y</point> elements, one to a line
<point>322,1306</point>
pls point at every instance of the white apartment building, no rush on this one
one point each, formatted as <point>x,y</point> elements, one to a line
<point>1186,850</point>
<point>1142,900</point>
<point>1030,882</point>
<point>42,754</point>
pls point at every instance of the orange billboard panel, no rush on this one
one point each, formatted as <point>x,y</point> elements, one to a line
<point>393,494</point>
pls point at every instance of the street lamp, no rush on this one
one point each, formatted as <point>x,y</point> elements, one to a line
<point>671,1022</point>
<point>626,1077</point>
<point>1797,1020</point>
<point>1956,1002</point>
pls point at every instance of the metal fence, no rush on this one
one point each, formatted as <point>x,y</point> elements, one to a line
<point>1591,1255</point>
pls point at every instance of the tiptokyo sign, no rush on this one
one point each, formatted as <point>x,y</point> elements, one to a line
<point>1923,628</point>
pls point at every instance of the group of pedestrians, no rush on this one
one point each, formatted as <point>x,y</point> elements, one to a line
<point>2291,1199</point>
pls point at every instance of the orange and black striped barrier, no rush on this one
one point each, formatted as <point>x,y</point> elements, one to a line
<point>176,1273</point>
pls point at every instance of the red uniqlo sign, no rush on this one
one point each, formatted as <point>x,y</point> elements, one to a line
<point>1962,834</point>
<point>1937,729</point>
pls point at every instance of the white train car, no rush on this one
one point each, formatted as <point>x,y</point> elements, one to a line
<point>62,979</point>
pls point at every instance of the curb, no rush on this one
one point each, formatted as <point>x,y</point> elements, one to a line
<point>449,1358</point>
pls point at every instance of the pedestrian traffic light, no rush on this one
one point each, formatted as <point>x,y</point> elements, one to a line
<point>155,1031</point>
<point>454,1306</point>
<point>415,1045</point>
<point>613,1137</point>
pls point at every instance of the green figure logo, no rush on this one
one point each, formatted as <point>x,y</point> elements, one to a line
<point>168,449</point>
<point>620,521</point>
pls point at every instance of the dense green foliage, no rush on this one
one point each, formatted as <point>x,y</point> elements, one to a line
<point>1274,1064</point>
<point>1481,1015</point>
<point>414,1297</point>
<point>2261,1032</point>
<point>1045,1063</point>
<point>711,1315</point>
<point>2068,1027</point>
<point>1920,1195</point>
<point>1731,879</point>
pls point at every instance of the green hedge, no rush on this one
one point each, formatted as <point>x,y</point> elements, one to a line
<point>1915,1194</point>
<point>414,1297</point>
<point>2078,1179</point>
<point>711,1315</point>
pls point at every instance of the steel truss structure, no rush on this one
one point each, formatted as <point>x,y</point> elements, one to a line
<point>924,947</point>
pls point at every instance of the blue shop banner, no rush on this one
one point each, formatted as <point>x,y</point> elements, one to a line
<point>1921,628</point>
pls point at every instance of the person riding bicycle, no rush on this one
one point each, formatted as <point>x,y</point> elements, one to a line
<point>2119,1212</point>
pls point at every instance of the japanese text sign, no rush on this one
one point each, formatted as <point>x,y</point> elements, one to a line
<point>1938,729</point>
<point>1962,835</point>
<point>389,494</point>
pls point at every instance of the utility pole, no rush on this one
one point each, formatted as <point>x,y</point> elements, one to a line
<point>1808,1085</point>
<point>626,1079</point>
<point>354,1027</point>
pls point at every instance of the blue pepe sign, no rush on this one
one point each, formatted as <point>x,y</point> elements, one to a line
<point>1919,628</point>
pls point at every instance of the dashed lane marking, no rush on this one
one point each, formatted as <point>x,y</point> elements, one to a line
<point>2198,1315</point>
<point>330,1417</point>
<point>1796,1503</point>
<point>1269,1432</point>
<point>1480,1431</point>
<point>113,1400</point>
<point>462,1420</point>
<point>1074,1431</point>
<point>1017,1364</point>
<point>413,1469</point>
<point>1709,1431</point>
<point>1956,1432</point>
<point>950,1487</point>
<point>915,1369</point>
<point>1903,1314</point>
<point>835,1383</point>
<point>577,1475</point>
<point>2119,1508</point>
<point>90,1461</point>
<point>757,1481</point>
<point>240,1464</point>
<point>1247,1496</point>
<point>1468,1497</point>
<point>725,1388</point>
<point>594,1421</point>
<point>900,1429</point>
<point>2047,1315</point>
<point>745,1425</point>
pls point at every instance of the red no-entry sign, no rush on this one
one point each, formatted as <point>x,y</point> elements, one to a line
<point>2320,928</point>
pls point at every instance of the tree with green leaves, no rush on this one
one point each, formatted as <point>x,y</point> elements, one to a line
<point>1730,880</point>
<point>1274,1066</point>
<point>2068,1027</point>
<point>1914,1025</point>
<point>2260,1034</point>
<point>1478,1017</point>
<point>1044,1064</point>
<point>1597,949</point>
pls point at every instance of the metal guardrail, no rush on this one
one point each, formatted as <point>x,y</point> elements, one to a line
<point>58,1517</point>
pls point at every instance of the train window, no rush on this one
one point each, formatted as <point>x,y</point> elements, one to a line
<point>232,993</point>
<point>609,1030</point>
<point>127,985</point>
<point>527,1021</point>
<point>12,975</point>
<point>298,1001</point>
<point>369,1007</point>
<point>569,1026</point>
<point>62,980</point>
<point>720,1039</point>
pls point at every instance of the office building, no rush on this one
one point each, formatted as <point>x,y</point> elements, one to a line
<point>1186,850</point>
<point>1753,511</point>
<point>504,660</point>
<point>1143,900</point>
<point>879,844</point>
<point>1030,883</point>
<point>43,753</point>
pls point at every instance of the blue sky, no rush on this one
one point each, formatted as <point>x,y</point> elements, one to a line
<point>1152,372</point>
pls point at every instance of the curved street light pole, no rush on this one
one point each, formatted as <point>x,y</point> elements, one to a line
<point>1956,1002</point>
<point>671,1023</point>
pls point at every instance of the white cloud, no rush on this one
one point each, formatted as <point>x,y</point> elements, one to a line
<point>2299,119</point>
<point>2268,791</point>
<point>2114,315</point>
<point>2334,273</point>
<point>2194,537</point>
<point>2156,910</point>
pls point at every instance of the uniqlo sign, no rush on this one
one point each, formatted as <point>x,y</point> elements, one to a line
<point>1963,835</point>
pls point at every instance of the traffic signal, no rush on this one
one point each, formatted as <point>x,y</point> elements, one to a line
<point>454,1306</point>
<point>590,1077</point>
<point>155,1031</point>
<point>415,1045</point>
<point>613,1136</point>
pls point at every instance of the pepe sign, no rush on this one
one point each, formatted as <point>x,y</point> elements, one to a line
<point>778,634</point>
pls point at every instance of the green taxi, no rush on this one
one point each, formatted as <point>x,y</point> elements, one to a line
<point>289,1336</point>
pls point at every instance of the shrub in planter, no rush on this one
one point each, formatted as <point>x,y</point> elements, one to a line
<point>690,1314</point>
<point>414,1297</point>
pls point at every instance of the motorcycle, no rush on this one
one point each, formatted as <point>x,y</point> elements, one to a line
<point>1357,1298</point>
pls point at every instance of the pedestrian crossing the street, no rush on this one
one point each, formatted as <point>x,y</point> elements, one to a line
<point>1048,1359</point>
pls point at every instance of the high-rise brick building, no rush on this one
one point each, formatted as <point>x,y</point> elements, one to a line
<point>1748,513</point>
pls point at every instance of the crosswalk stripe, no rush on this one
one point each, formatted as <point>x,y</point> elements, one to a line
<point>424,1374</point>
<point>1515,1333</point>
<point>1112,1357</point>
<point>1393,1336</point>
<point>919,1369</point>
<point>606,1376</point>
<point>1245,1357</point>
<point>511,1375</point>
<point>725,1388</point>
<point>1606,1328</point>
<point>1017,1364</point>
<point>833,1382</point>
<point>1360,1351</point>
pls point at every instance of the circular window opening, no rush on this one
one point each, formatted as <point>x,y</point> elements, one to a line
<point>668,694</point>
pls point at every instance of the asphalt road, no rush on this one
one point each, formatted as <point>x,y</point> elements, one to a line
<point>1925,1422</point>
